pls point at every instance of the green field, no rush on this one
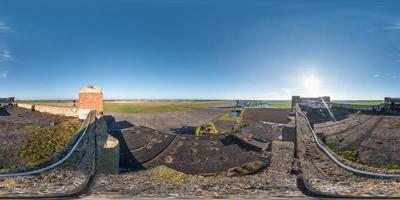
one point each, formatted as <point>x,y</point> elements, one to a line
<point>160,106</point>
<point>277,103</point>
<point>145,106</point>
<point>361,102</point>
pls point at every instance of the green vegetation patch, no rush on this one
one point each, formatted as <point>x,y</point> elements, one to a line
<point>392,166</point>
<point>140,108</point>
<point>206,129</point>
<point>226,117</point>
<point>46,141</point>
<point>278,103</point>
<point>210,128</point>
<point>351,155</point>
<point>164,174</point>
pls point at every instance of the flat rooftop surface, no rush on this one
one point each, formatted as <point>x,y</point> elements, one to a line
<point>142,147</point>
<point>274,115</point>
<point>375,138</point>
<point>176,122</point>
<point>14,125</point>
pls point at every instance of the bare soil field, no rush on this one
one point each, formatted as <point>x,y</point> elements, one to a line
<point>176,122</point>
<point>16,125</point>
<point>274,115</point>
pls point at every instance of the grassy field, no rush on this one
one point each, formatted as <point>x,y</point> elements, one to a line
<point>278,103</point>
<point>159,106</point>
<point>137,106</point>
<point>361,102</point>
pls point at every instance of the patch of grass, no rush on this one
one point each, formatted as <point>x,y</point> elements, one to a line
<point>140,108</point>
<point>278,103</point>
<point>46,141</point>
<point>239,122</point>
<point>207,129</point>
<point>351,155</point>
<point>227,118</point>
<point>392,166</point>
<point>164,174</point>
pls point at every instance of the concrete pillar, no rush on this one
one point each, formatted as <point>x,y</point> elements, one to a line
<point>295,100</point>
<point>107,150</point>
<point>289,134</point>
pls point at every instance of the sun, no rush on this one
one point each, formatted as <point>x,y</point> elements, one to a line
<point>311,83</point>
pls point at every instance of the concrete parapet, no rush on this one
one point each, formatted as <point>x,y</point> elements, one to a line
<point>56,110</point>
<point>26,106</point>
<point>107,150</point>
<point>289,133</point>
<point>66,111</point>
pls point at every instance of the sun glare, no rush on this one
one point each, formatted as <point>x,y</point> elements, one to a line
<point>311,83</point>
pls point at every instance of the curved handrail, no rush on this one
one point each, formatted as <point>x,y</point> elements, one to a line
<point>340,164</point>
<point>61,161</point>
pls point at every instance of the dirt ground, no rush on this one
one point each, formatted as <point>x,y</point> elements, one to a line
<point>176,122</point>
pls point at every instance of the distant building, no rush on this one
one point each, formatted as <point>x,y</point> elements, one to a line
<point>7,102</point>
<point>247,103</point>
<point>312,102</point>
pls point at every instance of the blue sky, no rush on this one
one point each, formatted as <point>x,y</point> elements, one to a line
<point>249,49</point>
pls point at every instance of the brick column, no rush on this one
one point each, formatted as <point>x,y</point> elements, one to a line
<point>91,98</point>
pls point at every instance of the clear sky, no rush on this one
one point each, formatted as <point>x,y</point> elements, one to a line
<point>208,49</point>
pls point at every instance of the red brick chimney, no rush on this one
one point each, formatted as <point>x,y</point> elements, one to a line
<point>91,97</point>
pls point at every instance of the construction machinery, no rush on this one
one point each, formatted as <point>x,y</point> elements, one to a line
<point>391,104</point>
